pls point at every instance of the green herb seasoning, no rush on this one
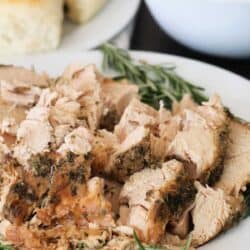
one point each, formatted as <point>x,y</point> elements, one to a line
<point>24,191</point>
<point>188,243</point>
<point>70,157</point>
<point>81,246</point>
<point>6,247</point>
<point>141,247</point>
<point>156,83</point>
<point>78,175</point>
<point>41,164</point>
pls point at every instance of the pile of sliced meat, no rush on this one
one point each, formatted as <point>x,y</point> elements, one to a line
<point>85,164</point>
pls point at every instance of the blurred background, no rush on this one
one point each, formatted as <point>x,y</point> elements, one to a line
<point>149,36</point>
<point>213,31</point>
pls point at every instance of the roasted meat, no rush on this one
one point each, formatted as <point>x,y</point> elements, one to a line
<point>213,213</point>
<point>104,145</point>
<point>58,237</point>
<point>66,184</point>
<point>35,133</point>
<point>202,140</point>
<point>78,142</point>
<point>116,97</point>
<point>120,160</point>
<point>112,191</point>
<point>152,197</point>
<point>21,86</point>
<point>132,155</point>
<point>236,174</point>
<point>81,84</point>
<point>13,74</point>
<point>137,114</point>
<point>27,189</point>
<point>84,164</point>
<point>186,103</point>
<point>4,151</point>
<point>8,176</point>
<point>182,225</point>
<point>120,243</point>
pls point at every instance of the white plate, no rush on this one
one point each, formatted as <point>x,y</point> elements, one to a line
<point>234,90</point>
<point>115,15</point>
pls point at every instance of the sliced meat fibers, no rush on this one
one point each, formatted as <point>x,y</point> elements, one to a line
<point>213,213</point>
<point>151,197</point>
<point>202,140</point>
<point>236,175</point>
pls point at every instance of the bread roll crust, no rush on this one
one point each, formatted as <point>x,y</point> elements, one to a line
<point>80,11</point>
<point>28,26</point>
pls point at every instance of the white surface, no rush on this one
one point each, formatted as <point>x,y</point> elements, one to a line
<point>114,17</point>
<point>123,39</point>
<point>234,90</point>
<point>219,27</point>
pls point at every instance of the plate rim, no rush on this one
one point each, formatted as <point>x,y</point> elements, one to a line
<point>134,54</point>
<point>152,53</point>
<point>109,35</point>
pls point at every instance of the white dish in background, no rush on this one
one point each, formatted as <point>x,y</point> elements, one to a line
<point>234,90</point>
<point>108,22</point>
<point>218,27</point>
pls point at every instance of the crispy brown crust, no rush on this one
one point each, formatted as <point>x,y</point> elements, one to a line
<point>135,159</point>
<point>214,173</point>
<point>181,195</point>
<point>234,123</point>
<point>176,197</point>
<point>216,169</point>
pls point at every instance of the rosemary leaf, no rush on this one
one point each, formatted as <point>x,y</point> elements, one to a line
<point>5,247</point>
<point>138,242</point>
<point>156,82</point>
<point>188,243</point>
<point>141,247</point>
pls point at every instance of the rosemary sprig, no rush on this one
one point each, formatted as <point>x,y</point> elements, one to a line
<point>5,247</point>
<point>141,247</point>
<point>156,82</point>
<point>188,243</point>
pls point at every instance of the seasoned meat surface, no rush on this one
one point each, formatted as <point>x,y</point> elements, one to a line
<point>132,155</point>
<point>81,84</point>
<point>214,212</point>
<point>202,140</point>
<point>236,174</point>
<point>84,164</point>
<point>120,160</point>
<point>116,98</point>
<point>15,74</point>
<point>152,197</point>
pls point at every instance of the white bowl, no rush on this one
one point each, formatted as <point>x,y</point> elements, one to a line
<point>218,27</point>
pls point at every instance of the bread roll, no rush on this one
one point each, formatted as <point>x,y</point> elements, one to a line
<point>30,25</point>
<point>80,11</point>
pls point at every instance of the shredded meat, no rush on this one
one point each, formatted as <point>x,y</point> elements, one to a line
<point>84,164</point>
<point>151,198</point>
